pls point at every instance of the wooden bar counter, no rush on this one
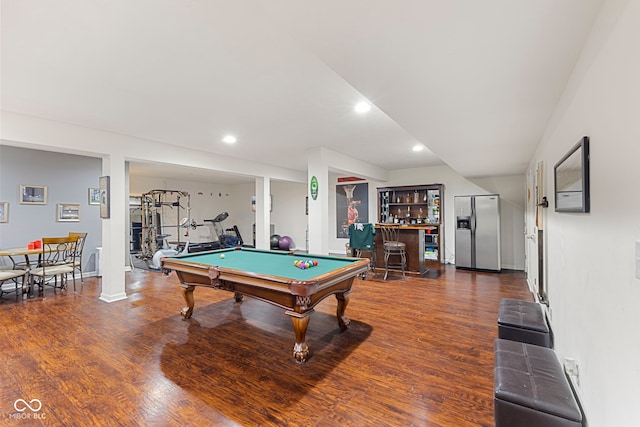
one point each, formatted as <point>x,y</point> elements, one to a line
<point>414,237</point>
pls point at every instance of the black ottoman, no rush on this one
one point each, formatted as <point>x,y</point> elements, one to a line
<point>531,389</point>
<point>523,321</point>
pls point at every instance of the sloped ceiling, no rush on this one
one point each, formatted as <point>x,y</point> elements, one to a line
<point>474,82</point>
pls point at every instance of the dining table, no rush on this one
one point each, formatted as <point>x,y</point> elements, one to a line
<point>14,253</point>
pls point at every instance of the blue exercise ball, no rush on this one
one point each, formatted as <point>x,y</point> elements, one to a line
<point>285,243</point>
<point>275,241</point>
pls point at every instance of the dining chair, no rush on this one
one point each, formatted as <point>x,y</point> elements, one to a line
<point>15,276</point>
<point>393,248</point>
<point>56,259</point>
<point>82,237</point>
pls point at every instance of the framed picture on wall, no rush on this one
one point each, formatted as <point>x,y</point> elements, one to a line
<point>352,205</point>
<point>33,194</point>
<point>94,196</point>
<point>4,211</point>
<point>104,197</point>
<point>69,212</point>
<point>253,203</point>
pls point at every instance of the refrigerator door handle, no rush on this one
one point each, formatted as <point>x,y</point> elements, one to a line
<point>473,234</point>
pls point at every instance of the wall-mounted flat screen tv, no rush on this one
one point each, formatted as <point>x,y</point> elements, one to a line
<point>571,176</point>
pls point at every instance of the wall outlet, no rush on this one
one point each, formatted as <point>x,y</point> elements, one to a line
<point>571,368</point>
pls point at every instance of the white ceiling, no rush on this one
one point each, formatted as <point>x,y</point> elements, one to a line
<point>473,81</point>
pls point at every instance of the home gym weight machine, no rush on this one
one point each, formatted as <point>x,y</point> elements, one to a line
<point>157,205</point>
<point>154,243</point>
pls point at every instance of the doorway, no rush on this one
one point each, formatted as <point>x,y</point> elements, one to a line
<point>536,202</point>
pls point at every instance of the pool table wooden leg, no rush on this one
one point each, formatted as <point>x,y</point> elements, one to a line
<point>187,293</point>
<point>300,348</point>
<point>343,300</point>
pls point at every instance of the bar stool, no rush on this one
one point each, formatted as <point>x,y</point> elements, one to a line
<point>393,247</point>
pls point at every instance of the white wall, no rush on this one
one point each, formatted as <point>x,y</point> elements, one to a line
<point>592,290</point>
<point>209,199</point>
<point>512,192</point>
<point>288,213</point>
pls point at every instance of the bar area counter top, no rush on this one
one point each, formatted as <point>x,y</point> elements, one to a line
<point>423,244</point>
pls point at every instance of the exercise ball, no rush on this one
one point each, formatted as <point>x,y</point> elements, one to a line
<point>285,243</point>
<point>275,241</point>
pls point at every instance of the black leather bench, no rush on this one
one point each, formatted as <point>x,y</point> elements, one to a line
<point>531,388</point>
<point>523,321</point>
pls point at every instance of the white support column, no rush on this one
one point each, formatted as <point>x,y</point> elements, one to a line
<point>263,216</point>
<point>318,208</point>
<point>114,230</point>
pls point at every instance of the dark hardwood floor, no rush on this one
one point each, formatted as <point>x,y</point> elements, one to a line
<point>417,353</point>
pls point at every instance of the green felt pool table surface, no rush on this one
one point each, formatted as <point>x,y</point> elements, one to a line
<point>269,263</point>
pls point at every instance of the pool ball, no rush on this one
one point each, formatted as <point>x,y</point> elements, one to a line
<point>221,255</point>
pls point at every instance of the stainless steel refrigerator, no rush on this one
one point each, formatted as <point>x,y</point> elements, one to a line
<point>478,232</point>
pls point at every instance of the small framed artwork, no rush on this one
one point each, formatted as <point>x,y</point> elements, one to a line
<point>104,197</point>
<point>94,196</point>
<point>68,212</point>
<point>33,194</point>
<point>4,211</point>
<point>253,203</point>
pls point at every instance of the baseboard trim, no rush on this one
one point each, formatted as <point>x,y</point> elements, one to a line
<point>113,298</point>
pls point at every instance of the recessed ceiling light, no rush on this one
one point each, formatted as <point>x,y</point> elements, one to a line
<point>362,107</point>
<point>418,147</point>
<point>229,139</point>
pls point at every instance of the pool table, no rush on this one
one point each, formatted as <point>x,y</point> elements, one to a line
<point>270,276</point>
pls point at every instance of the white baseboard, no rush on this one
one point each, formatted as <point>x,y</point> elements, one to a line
<point>512,267</point>
<point>113,298</point>
<point>95,273</point>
